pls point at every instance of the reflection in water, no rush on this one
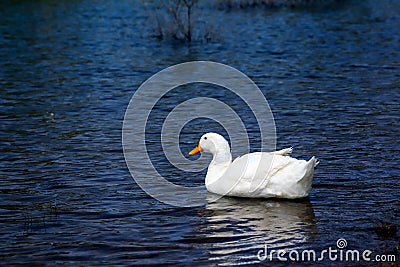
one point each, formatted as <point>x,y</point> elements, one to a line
<point>240,227</point>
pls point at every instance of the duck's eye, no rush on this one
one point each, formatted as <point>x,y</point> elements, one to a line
<point>205,138</point>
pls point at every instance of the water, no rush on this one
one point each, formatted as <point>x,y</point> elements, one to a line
<point>68,70</point>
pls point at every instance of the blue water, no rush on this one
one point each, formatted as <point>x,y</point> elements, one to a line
<point>68,70</point>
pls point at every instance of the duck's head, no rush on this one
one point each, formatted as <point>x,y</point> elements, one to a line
<point>211,143</point>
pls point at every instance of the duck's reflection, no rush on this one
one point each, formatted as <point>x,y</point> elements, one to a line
<point>241,227</point>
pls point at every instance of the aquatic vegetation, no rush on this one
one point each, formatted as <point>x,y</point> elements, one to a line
<point>190,20</point>
<point>385,229</point>
<point>172,19</point>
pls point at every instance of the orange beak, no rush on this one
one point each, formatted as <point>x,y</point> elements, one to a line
<point>196,150</point>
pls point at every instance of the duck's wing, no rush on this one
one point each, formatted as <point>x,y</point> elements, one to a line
<point>283,152</point>
<point>293,181</point>
<point>253,170</point>
<point>258,165</point>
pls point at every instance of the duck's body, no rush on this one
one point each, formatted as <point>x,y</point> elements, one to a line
<point>257,174</point>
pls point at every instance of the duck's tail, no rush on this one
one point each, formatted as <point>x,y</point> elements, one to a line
<point>306,181</point>
<point>311,164</point>
<point>315,160</point>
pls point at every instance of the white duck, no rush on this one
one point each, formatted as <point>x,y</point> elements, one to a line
<point>258,174</point>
